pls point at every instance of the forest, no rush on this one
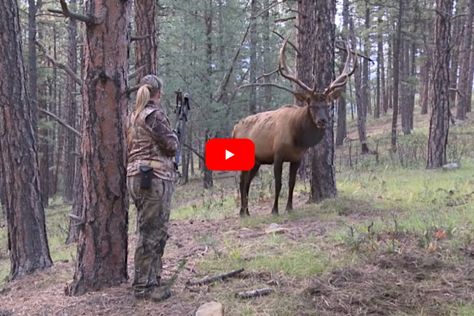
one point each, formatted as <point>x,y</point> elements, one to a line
<point>379,215</point>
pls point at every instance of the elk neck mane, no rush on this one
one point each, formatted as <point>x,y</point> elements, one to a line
<point>306,133</point>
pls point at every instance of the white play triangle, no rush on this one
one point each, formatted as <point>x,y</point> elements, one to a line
<point>228,154</point>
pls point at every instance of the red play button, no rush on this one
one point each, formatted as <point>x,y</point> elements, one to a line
<point>226,154</point>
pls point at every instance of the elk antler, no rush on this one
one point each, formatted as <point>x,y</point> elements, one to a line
<point>344,76</point>
<point>282,67</point>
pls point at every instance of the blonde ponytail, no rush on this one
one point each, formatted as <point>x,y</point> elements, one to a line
<point>143,97</point>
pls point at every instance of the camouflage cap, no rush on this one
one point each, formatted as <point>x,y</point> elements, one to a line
<point>153,81</point>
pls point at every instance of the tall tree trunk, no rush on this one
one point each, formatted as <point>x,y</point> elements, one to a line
<point>58,138</point>
<point>316,65</point>
<point>32,66</point>
<point>266,53</point>
<point>360,103</point>
<point>439,123</point>
<point>457,35</point>
<point>380,73</point>
<point>253,56</point>
<point>71,111</point>
<point>465,76</point>
<point>390,72</point>
<point>27,240</point>
<point>102,245</point>
<point>146,45</point>
<point>365,64</point>
<point>208,181</point>
<point>425,84</point>
<point>396,74</point>
<point>209,16</point>
<point>341,131</point>
<point>412,79</point>
<point>405,86</point>
<point>471,77</point>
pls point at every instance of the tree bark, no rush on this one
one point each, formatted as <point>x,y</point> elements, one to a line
<point>102,245</point>
<point>27,239</point>
<point>316,65</point>
<point>146,46</point>
<point>465,76</point>
<point>439,123</point>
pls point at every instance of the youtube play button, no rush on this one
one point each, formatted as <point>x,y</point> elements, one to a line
<point>226,154</point>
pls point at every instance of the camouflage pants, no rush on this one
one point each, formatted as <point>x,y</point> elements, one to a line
<point>153,208</point>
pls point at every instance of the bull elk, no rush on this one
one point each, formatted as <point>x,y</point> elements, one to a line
<point>284,135</point>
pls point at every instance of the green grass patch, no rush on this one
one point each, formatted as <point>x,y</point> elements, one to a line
<point>464,310</point>
<point>273,254</point>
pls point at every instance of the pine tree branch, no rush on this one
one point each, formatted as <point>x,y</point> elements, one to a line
<point>66,68</point>
<point>267,85</point>
<point>139,38</point>
<point>60,121</point>
<point>193,150</point>
<point>67,13</point>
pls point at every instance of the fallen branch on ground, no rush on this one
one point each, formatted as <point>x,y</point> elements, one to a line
<point>254,293</point>
<point>212,279</point>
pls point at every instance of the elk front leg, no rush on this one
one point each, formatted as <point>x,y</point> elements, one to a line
<point>277,169</point>
<point>291,184</point>
<point>250,176</point>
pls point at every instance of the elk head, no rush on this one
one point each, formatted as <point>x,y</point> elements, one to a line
<point>317,101</point>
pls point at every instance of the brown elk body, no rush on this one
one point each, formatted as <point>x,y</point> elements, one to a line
<point>284,135</point>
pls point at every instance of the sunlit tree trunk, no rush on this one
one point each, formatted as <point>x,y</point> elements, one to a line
<point>102,244</point>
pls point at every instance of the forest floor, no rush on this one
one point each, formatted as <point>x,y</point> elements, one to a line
<point>396,241</point>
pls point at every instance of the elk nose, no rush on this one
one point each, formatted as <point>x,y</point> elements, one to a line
<point>322,122</point>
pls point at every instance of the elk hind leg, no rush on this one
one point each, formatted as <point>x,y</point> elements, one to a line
<point>244,175</point>
<point>277,170</point>
<point>291,184</point>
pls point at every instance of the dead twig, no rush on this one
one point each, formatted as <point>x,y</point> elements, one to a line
<point>60,121</point>
<point>254,293</point>
<point>212,279</point>
<point>66,68</point>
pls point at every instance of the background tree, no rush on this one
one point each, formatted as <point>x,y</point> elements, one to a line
<point>145,38</point>
<point>27,240</point>
<point>315,66</point>
<point>439,122</point>
<point>467,66</point>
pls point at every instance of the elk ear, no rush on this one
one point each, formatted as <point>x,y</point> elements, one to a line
<point>333,95</point>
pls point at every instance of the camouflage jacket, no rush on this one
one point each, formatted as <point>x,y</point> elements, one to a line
<point>151,142</point>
